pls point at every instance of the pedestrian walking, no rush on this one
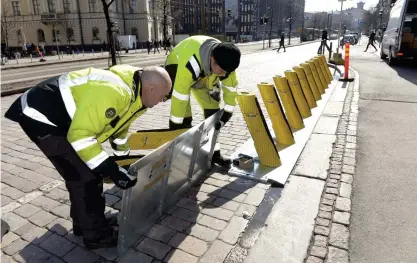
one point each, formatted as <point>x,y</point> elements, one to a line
<point>148,45</point>
<point>156,46</point>
<point>281,42</point>
<point>371,41</point>
<point>324,38</point>
<point>203,66</point>
<point>69,116</point>
<point>168,46</point>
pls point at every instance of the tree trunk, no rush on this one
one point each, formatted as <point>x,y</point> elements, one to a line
<point>110,33</point>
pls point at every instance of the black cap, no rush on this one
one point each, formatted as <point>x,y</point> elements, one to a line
<point>227,56</point>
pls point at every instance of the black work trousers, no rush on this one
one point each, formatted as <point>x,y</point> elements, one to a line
<point>85,188</point>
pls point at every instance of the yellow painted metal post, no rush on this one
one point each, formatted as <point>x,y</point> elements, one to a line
<point>291,110</point>
<point>264,144</point>
<point>321,75</point>
<point>297,93</point>
<point>273,106</point>
<point>312,83</point>
<point>323,58</point>
<point>152,139</point>
<point>316,76</point>
<point>323,70</point>
<point>306,88</point>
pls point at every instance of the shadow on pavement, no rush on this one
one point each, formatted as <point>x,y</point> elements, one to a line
<point>406,69</point>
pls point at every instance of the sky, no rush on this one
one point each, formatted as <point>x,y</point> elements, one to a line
<point>329,5</point>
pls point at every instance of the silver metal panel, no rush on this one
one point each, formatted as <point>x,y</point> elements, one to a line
<point>181,162</point>
<point>205,147</point>
<point>141,204</point>
<point>163,175</point>
<point>288,155</point>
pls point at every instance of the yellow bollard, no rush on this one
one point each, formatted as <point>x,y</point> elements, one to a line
<point>264,144</point>
<point>297,93</point>
<point>291,110</point>
<point>323,59</point>
<point>315,76</point>
<point>273,106</point>
<point>323,70</point>
<point>320,71</point>
<point>312,83</point>
<point>306,88</point>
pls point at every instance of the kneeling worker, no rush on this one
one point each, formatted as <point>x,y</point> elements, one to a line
<point>69,116</point>
<point>203,66</point>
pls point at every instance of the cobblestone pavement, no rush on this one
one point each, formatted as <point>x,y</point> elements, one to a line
<point>202,227</point>
<point>330,242</point>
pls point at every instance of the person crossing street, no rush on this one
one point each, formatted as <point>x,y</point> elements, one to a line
<point>281,42</point>
<point>203,66</point>
<point>69,116</point>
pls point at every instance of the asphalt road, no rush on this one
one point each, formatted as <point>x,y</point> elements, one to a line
<point>384,202</point>
<point>26,74</point>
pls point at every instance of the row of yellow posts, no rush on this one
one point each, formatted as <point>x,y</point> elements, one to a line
<point>299,92</point>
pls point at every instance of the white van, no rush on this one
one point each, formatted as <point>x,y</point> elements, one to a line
<point>400,37</point>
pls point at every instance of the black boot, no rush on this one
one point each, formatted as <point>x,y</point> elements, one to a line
<point>111,222</point>
<point>5,228</point>
<point>218,159</point>
<point>105,239</point>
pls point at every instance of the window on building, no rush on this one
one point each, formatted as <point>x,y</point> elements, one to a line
<point>16,8</point>
<point>55,35</point>
<point>95,33</point>
<point>51,6</point>
<point>116,2</point>
<point>132,6</point>
<point>70,34</point>
<point>135,32</point>
<point>19,36</point>
<point>92,5</point>
<point>36,7</point>
<point>150,7</point>
<point>66,5</point>
<point>41,35</point>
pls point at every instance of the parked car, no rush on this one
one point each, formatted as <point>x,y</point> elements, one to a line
<point>400,37</point>
<point>348,38</point>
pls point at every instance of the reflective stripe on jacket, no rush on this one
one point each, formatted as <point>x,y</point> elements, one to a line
<point>186,55</point>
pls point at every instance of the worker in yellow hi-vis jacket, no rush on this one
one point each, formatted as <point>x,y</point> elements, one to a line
<point>203,66</point>
<point>69,116</point>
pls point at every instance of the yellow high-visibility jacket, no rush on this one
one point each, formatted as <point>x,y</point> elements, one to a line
<point>192,57</point>
<point>101,105</point>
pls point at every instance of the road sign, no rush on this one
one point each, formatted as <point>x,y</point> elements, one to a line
<point>360,21</point>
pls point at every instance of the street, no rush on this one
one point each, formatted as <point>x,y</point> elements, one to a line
<point>17,73</point>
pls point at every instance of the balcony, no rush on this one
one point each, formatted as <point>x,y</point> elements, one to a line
<point>51,18</point>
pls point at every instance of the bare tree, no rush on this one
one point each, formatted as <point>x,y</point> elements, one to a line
<point>293,12</point>
<point>164,10</point>
<point>66,23</point>
<point>106,6</point>
<point>7,23</point>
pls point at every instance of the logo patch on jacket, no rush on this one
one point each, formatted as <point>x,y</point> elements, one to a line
<point>110,113</point>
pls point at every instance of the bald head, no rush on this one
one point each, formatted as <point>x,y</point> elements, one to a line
<point>156,85</point>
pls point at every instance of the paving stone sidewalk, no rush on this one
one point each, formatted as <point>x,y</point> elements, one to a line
<point>330,242</point>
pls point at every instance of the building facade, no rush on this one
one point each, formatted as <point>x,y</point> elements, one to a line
<point>78,23</point>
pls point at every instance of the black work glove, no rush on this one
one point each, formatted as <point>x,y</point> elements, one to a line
<point>123,179</point>
<point>223,120</point>
<point>119,175</point>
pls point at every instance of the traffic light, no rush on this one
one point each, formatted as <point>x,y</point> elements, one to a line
<point>264,20</point>
<point>229,13</point>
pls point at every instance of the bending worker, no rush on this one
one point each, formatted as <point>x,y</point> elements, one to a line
<point>69,116</point>
<point>203,66</point>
